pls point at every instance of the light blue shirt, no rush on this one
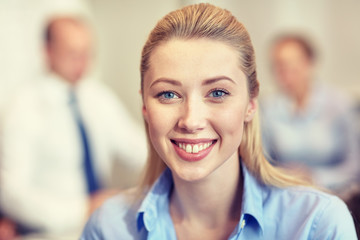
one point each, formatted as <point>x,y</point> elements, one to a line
<point>321,137</point>
<point>267,213</point>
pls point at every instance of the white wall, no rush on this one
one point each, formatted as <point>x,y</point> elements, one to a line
<point>123,26</point>
<point>334,25</point>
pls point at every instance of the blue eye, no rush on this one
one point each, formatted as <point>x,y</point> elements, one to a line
<point>168,95</point>
<point>218,93</point>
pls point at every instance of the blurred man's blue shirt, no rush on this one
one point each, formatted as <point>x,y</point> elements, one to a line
<point>267,213</point>
<point>320,138</point>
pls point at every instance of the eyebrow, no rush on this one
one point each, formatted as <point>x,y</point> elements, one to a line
<point>216,79</point>
<point>205,82</point>
<point>166,80</point>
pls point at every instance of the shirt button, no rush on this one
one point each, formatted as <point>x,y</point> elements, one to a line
<point>243,224</point>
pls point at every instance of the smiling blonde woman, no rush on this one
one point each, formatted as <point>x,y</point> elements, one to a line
<point>206,176</point>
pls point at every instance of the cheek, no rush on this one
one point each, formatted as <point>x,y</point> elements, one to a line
<point>161,120</point>
<point>229,123</point>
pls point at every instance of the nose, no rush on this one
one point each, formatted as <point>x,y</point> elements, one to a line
<point>192,117</point>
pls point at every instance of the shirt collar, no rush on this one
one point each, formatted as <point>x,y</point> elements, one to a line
<point>58,81</point>
<point>158,195</point>
<point>252,198</point>
<point>154,200</point>
<point>64,89</point>
<point>287,105</point>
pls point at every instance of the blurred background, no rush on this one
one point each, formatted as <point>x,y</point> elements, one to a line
<point>122,28</point>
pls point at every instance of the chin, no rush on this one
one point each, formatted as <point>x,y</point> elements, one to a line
<point>190,173</point>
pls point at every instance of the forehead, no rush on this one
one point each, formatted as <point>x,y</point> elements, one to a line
<point>193,58</point>
<point>68,32</point>
<point>289,48</point>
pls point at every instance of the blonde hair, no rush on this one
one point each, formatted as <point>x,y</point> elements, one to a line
<point>207,21</point>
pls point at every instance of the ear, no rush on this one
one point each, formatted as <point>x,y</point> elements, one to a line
<point>144,113</point>
<point>144,110</point>
<point>47,53</point>
<point>251,109</point>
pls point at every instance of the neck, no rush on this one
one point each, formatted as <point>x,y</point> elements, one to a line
<point>211,202</point>
<point>301,98</point>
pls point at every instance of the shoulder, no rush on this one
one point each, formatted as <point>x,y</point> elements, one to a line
<point>333,221</point>
<point>274,106</point>
<point>334,99</point>
<point>320,215</point>
<point>43,91</point>
<point>271,101</point>
<point>96,89</point>
<point>115,219</point>
<point>101,95</point>
<point>28,93</point>
<point>24,105</point>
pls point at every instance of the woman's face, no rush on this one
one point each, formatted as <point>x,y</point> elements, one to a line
<point>195,103</point>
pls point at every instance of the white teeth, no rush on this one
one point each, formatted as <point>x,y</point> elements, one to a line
<point>195,148</point>
<point>188,148</point>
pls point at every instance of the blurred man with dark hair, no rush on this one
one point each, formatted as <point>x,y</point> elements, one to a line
<point>309,126</point>
<point>60,138</point>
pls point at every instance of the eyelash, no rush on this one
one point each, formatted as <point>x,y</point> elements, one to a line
<point>162,98</point>
<point>226,93</point>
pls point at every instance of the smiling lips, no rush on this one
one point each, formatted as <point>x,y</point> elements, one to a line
<point>193,150</point>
